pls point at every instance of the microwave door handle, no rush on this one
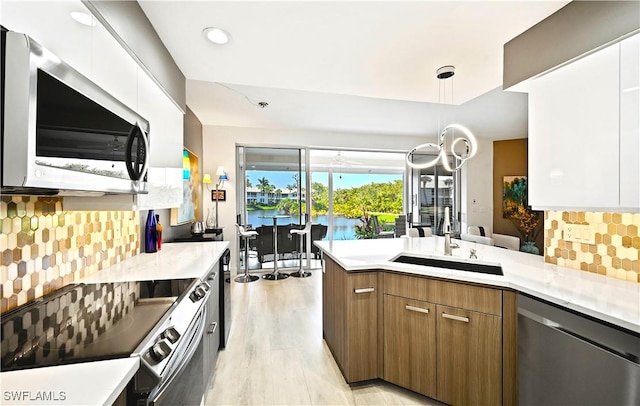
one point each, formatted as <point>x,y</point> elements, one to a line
<point>134,173</point>
<point>145,164</point>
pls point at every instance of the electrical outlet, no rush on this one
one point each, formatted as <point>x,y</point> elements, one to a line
<point>117,232</point>
<point>580,233</point>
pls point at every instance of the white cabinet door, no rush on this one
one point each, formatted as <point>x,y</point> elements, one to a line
<point>574,148</point>
<point>166,141</point>
<point>50,24</point>
<point>630,124</point>
<point>113,68</point>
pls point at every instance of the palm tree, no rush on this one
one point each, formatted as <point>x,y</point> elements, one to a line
<point>249,184</point>
<point>294,185</point>
<point>264,185</point>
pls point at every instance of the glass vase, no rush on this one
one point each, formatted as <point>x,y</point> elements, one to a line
<point>211,219</point>
<point>530,247</point>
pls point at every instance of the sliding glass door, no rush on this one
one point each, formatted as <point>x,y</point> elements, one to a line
<point>274,188</point>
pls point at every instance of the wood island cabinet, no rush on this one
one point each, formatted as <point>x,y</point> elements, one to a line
<point>410,344</point>
<point>469,357</point>
<point>350,316</point>
<point>451,341</point>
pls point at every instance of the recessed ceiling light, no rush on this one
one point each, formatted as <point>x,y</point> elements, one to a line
<point>217,35</point>
<point>83,18</point>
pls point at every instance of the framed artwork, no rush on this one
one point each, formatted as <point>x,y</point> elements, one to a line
<point>219,195</point>
<point>514,194</point>
<point>189,210</point>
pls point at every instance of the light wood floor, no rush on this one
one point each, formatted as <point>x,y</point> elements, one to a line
<point>276,354</point>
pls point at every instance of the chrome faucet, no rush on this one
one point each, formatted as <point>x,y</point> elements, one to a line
<point>447,232</point>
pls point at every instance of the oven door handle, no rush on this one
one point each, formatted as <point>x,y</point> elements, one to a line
<point>192,348</point>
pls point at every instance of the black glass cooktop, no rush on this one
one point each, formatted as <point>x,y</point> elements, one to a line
<point>86,322</point>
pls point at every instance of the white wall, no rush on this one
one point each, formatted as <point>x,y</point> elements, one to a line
<point>477,188</point>
<point>219,149</point>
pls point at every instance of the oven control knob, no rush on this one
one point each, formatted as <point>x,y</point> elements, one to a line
<point>198,293</point>
<point>171,334</point>
<point>160,350</point>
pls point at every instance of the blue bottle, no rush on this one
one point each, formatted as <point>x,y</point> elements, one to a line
<point>150,233</point>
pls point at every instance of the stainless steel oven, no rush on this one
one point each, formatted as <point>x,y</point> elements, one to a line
<point>160,321</point>
<point>182,382</point>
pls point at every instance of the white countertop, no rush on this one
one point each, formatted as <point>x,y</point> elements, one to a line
<point>608,299</point>
<point>100,382</point>
<point>86,383</point>
<point>174,261</point>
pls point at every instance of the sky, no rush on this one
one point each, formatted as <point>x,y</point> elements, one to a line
<point>342,181</point>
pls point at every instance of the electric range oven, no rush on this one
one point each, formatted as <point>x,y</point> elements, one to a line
<point>161,321</point>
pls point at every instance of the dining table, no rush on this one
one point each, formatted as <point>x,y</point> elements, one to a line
<point>275,275</point>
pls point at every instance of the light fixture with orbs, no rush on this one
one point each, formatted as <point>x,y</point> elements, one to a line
<point>83,18</point>
<point>216,35</point>
<point>467,142</point>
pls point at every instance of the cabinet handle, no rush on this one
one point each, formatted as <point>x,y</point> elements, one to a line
<point>364,290</point>
<point>214,325</point>
<point>416,309</point>
<point>452,317</point>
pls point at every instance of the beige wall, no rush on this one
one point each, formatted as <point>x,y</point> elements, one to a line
<point>509,159</point>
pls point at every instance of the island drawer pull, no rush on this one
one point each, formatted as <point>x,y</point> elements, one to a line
<point>416,309</point>
<point>213,327</point>
<point>452,317</point>
<point>364,290</point>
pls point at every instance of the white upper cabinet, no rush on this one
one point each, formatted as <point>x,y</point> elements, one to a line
<point>166,127</point>
<point>583,134</point>
<point>95,53</point>
<point>113,68</point>
<point>630,122</point>
<point>50,24</point>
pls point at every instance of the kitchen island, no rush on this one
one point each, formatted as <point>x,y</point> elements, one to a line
<point>102,382</point>
<point>607,299</point>
<point>443,329</point>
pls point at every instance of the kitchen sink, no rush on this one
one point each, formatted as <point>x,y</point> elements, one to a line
<point>450,264</point>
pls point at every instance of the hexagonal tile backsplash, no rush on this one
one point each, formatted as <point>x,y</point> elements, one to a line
<point>616,249</point>
<point>43,248</point>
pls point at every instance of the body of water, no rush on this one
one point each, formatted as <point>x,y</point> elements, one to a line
<point>343,228</point>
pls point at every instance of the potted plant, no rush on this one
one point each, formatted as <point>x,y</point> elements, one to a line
<point>527,221</point>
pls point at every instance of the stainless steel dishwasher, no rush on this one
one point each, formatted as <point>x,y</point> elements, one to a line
<point>565,358</point>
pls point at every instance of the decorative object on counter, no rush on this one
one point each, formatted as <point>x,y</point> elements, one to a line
<point>151,233</point>
<point>189,210</point>
<point>159,231</point>
<point>211,218</point>
<point>516,208</point>
<point>197,228</point>
<point>442,150</point>
<point>530,247</point>
<point>217,194</point>
<point>527,221</point>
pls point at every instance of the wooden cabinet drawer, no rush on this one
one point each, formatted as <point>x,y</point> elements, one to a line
<point>411,287</point>
<point>455,294</point>
<point>470,297</point>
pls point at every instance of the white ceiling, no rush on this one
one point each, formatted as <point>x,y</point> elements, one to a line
<point>349,66</point>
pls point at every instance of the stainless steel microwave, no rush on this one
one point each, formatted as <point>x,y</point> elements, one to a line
<point>61,133</point>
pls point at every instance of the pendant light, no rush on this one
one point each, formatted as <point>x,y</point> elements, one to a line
<point>466,141</point>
